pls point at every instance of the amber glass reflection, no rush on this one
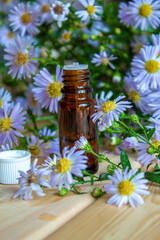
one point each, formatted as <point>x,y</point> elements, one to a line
<point>75,110</point>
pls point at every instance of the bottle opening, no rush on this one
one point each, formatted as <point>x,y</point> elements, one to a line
<point>75,66</point>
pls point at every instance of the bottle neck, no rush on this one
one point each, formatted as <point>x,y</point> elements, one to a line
<point>76,84</point>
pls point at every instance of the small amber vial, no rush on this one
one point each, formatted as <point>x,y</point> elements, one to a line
<point>75,110</point>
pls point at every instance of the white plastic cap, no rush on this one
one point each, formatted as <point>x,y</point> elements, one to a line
<point>12,161</point>
<point>75,66</point>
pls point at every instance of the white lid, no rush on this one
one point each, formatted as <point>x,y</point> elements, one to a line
<point>75,66</point>
<point>11,162</point>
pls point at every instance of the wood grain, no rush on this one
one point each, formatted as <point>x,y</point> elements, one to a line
<point>38,218</point>
<point>101,221</point>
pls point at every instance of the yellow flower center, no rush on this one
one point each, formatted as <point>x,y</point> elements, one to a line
<point>58,9</point>
<point>10,35</point>
<point>31,179</point>
<point>152,66</point>
<point>105,61</point>
<point>90,9</point>
<point>54,89</point>
<point>108,106</point>
<point>138,47</point>
<point>6,1</point>
<point>34,150</point>
<point>66,36</point>
<point>155,142</point>
<point>158,54</point>
<point>5,124</point>
<point>26,18</point>
<point>1,103</point>
<point>145,10</point>
<point>63,165</point>
<point>134,96</point>
<point>125,188</point>
<point>21,59</point>
<point>45,8</point>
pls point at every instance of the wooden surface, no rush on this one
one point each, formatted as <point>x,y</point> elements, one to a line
<point>77,216</point>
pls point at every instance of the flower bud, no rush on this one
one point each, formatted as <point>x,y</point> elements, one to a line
<point>150,150</point>
<point>63,192</point>
<point>102,48</point>
<point>115,141</point>
<point>111,168</point>
<point>93,37</point>
<point>97,192</point>
<point>85,36</point>
<point>134,118</point>
<point>117,31</point>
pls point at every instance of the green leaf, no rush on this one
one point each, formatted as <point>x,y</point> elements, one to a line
<point>124,160</point>
<point>156,167</point>
<point>150,133</point>
<point>152,177</point>
<point>104,176</point>
<point>149,165</point>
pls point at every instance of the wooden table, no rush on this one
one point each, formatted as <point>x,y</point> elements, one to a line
<point>78,216</point>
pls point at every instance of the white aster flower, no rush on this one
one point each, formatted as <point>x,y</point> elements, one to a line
<point>108,111</point>
<point>139,42</point>
<point>138,96</point>
<point>146,151</point>
<point>59,11</point>
<point>6,36</point>
<point>24,18</point>
<point>126,188</point>
<point>103,59</point>
<point>146,68</point>
<point>144,13</point>
<point>124,14</point>
<point>71,162</point>
<point>91,11</point>
<point>5,97</point>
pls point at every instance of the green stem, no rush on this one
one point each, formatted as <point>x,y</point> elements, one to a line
<point>106,159</point>
<point>42,119</point>
<point>139,136</point>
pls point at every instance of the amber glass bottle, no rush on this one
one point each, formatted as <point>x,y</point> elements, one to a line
<point>75,110</point>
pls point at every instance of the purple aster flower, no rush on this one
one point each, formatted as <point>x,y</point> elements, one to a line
<point>144,13</point>
<point>154,104</point>
<point>59,11</point>
<point>12,118</point>
<point>32,103</point>
<point>139,42</point>
<point>103,59</point>
<point>43,8</point>
<point>18,59</point>
<point>24,18</point>
<point>6,5</point>
<point>71,162</point>
<point>130,142</point>
<point>108,111</point>
<point>23,102</point>
<point>138,96</point>
<point>54,146</point>
<point>146,152</point>
<point>47,91</point>
<point>124,14</point>
<point>6,36</point>
<point>32,181</point>
<point>37,147</point>
<point>154,123</point>
<point>5,97</point>
<point>66,36</point>
<point>126,188</point>
<point>45,132</point>
<point>5,148</point>
<point>91,11</point>
<point>155,39</point>
<point>146,68</point>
